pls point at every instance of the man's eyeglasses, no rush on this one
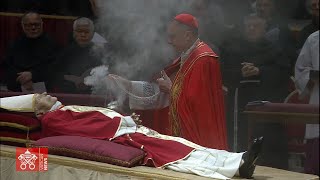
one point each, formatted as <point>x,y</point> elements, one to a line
<point>31,25</point>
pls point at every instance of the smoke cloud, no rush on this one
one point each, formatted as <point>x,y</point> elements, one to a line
<point>136,31</point>
<point>136,34</point>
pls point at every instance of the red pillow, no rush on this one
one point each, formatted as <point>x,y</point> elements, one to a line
<point>18,121</point>
<point>92,149</point>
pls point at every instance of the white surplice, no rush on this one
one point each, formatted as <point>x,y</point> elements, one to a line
<point>146,95</point>
<point>309,60</point>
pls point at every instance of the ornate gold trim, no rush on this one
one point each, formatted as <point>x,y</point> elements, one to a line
<point>176,91</point>
<point>18,126</point>
<point>16,140</point>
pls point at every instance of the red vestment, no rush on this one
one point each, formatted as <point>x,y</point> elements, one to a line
<point>197,105</point>
<point>94,124</point>
<point>158,119</point>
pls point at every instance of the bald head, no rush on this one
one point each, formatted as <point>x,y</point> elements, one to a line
<point>181,36</point>
<point>32,25</point>
<point>43,103</point>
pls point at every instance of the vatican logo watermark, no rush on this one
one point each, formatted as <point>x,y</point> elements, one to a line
<point>32,159</point>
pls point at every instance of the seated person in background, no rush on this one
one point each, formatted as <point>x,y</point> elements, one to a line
<point>308,84</point>
<point>313,26</point>
<point>252,57</point>
<point>266,9</point>
<point>212,22</point>
<point>260,71</point>
<point>162,151</point>
<point>27,59</point>
<point>293,44</point>
<point>76,60</point>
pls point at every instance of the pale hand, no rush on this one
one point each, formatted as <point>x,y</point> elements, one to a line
<point>249,70</point>
<point>164,83</point>
<point>24,77</point>
<point>136,118</point>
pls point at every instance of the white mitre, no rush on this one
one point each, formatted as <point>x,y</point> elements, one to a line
<point>23,103</point>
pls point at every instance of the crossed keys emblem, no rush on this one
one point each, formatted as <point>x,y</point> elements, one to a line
<point>27,158</point>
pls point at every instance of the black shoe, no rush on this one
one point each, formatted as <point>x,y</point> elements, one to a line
<point>250,157</point>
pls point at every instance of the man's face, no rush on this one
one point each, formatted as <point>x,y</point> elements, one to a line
<point>315,8</point>
<point>255,29</point>
<point>265,8</point>
<point>82,34</point>
<point>44,102</point>
<point>177,37</point>
<point>32,25</point>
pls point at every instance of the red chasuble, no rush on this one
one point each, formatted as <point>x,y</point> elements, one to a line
<point>93,124</point>
<point>88,124</point>
<point>160,152</point>
<point>197,105</point>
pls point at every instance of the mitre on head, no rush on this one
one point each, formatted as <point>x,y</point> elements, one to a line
<point>23,103</point>
<point>187,19</point>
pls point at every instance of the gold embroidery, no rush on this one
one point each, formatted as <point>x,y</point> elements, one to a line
<point>174,119</point>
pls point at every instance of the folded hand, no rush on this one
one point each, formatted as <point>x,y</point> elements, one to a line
<point>249,69</point>
<point>24,77</point>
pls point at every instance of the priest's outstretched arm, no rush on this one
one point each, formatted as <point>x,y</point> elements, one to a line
<point>142,95</point>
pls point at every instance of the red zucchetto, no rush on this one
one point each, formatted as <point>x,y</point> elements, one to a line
<point>187,19</point>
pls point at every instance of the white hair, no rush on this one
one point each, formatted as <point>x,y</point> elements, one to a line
<point>83,21</point>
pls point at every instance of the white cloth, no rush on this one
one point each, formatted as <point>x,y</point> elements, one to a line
<point>56,106</point>
<point>23,103</point>
<point>211,163</point>
<point>308,60</point>
<point>127,126</point>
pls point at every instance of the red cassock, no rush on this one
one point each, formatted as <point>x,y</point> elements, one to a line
<point>197,100</point>
<point>94,124</point>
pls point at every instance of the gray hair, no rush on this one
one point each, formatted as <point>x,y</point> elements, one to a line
<point>83,21</point>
